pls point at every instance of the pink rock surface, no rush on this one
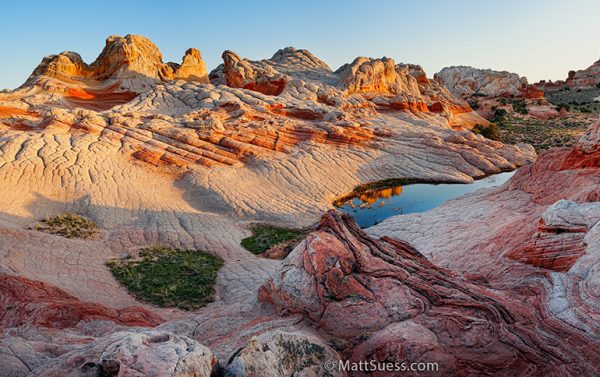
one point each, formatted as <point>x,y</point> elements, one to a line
<point>134,353</point>
<point>24,301</point>
<point>355,287</point>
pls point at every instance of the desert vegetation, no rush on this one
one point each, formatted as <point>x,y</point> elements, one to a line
<point>69,225</point>
<point>272,239</point>
<point>169,277</point>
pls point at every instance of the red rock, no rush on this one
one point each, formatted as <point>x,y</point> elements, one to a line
<point>240,73</point>
<point>25,301</point>
<point>585,78</point>
<point>391,304</point>
<point>531,92</point>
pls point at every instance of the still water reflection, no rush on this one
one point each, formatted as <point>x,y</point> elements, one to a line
<point>375,206</point>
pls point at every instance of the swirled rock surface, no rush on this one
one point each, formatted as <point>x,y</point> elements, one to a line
<point>141,353</point>
<point>385,291</point>
<point>537,238</point>
<point>156,155</point>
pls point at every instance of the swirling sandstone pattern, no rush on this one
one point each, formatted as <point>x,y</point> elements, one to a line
<point>536,237</point>
<point>155,154</point>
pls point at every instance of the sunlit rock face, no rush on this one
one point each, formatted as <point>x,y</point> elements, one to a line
<point>364,83</point>
<point>466,81</point>
<point>133,61</point>
<point>487,90</point>
<point>156,155</point>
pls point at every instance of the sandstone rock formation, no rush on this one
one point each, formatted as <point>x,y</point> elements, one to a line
<point>28,302</point>
<point>133,61</point>
<point>487,90</point>
<point>364,83</point>
<point>550,86</point>
<point>188,164</point>
<point>537,239</point>
<point>467,81</point>
<point>581,79</point>
<point>355,287</point>
<point>141,353</point>
<point>584,78</point>
<point>283,354</point>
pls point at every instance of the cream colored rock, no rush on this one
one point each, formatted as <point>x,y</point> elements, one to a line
<point>282,354</point>
<point>130,353</point>
<point>466,81</point>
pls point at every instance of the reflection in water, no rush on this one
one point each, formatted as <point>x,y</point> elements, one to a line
<point>375,206</point>
<point>372,196</point>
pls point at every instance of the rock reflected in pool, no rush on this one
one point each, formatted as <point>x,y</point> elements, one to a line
<point>373,206</point>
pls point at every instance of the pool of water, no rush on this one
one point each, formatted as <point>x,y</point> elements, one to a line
<point>372,207</point>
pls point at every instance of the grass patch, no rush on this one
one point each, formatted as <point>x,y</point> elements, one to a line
<point>265,237</point>
<point>169,277</point>
<point>378,185</point>
<point>69,225</point>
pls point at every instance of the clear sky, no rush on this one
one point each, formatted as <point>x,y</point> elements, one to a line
<point>540,39</point>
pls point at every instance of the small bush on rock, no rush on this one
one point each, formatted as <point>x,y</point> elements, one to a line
<point>489,132</point>
<point>69,225</point>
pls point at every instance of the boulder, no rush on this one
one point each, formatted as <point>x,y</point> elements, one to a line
<point>283,354</point>
<point>134,353</point>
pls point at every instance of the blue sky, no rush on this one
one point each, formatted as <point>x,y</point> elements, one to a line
<point>535,38</point>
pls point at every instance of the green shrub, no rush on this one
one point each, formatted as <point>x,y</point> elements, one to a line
<point>474,105</point>
<point>520,106</point>
<point>169,277</point>
<point>489,132</point>
<point>267,236</point>
<point>499,115</point>
<point>69,225</point>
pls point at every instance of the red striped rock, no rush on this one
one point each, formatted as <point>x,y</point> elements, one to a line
<point>355,287</point>
<point>24,301</point>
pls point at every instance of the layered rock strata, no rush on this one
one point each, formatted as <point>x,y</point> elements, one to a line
<point>156,156</point>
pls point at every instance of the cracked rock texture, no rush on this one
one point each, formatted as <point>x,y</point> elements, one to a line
<point>537,238</point>
<point>131,353</point>
<point>156,155</point>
